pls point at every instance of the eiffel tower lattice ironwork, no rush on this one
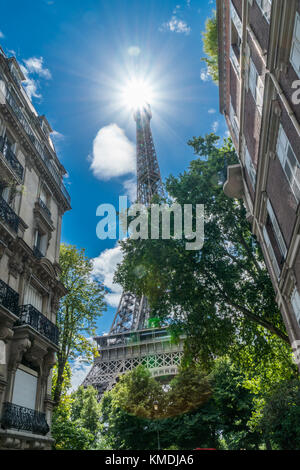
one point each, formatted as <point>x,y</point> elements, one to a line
<point>131,341</point>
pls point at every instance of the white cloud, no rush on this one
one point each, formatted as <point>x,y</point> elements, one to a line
<point>113,153</point>
<point>130,187</point>
<point>215,126</point>
<point>134,51</point>
<point>204,75</point>
<point>1,35</point>
<point>34,66</point>
<point>175,25</point>
<point>30,85</point>
<point>211,111</point>
<point>104,268</point>
<point>80,369</point>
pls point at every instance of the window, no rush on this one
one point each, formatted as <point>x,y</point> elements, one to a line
<point>236,20</point>
<point>289,162</point>
<point>271,253</point>
<point>295,301</point>
<point>276,229</point>
<point>25,387</point>
<point>265,6</point>
<point>256,85</point>
<point>295,50</point>
<point>236,39</point>
<point>250,166</point>
<point>40,240</point>
<point>33,297</point>
<point>234,121</point>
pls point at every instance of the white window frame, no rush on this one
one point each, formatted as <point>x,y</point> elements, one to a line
<point>249,166</point>
<point>277,230</point>
<point>236,20</point>
<point>256,85</point>
<point>266,7</point>
<point>295,301</point>
<point>296,45</point>
<point>289,162</point>
<point>271,253</point>
<point>234,121</point>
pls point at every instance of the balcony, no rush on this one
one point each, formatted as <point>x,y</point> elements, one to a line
<point>25,419</point>
<point>11,159</point>
<point>28,129</point>
<point>8,215</point>
<point>29,315</point>
<point>44,208</point>
<point>9,298</point>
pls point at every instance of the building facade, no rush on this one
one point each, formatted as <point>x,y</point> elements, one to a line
<point>33,200</point>
<point>259,74</point>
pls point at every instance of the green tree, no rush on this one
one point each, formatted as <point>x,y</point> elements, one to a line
<point>210,46</point>
<point>78,311</point>
<point>86,409</point>
<point>76,419</point>
<point>221,297</point>
<point>195,411</point>
<point>281,416</point>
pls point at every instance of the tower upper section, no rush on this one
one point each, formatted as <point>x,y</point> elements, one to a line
<point>148,174</point>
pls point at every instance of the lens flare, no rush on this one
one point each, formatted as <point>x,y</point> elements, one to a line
<point>137,93</point>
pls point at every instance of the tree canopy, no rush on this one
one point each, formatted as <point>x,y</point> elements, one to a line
<point>210,46</point>
<point>221,297</point>
<point>78,311</point>
<point>207,411</point>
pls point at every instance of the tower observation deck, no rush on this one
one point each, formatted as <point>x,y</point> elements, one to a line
<point>131,341</point>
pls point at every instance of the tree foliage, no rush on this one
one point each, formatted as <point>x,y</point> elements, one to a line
<point>206,411</point>
<point>281,416</point>
<point>221,297</point>
<point>78,310</point>
<point>76,420</point>
<point>210,46</point>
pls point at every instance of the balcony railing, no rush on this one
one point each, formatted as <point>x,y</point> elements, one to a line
<point>29,315</point>
<point>9,298</point>
<point>11,159</point>
<point>45,208</point>
<point>8,215</point>
<point>25,419</point>
<point>27,127</point>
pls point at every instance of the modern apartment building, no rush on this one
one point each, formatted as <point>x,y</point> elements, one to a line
<point>259,73</point>
<point>33,200</point>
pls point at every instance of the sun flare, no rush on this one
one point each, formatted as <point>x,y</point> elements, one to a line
<point>137,93</point>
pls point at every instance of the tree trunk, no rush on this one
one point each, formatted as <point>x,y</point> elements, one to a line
<point>59,382</point>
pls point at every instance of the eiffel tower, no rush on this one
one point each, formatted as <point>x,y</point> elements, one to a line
<point>131,340</point>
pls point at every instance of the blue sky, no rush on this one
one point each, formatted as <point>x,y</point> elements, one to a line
<point>76,56</point>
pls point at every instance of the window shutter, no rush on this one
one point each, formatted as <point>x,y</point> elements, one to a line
<point>295,300</point>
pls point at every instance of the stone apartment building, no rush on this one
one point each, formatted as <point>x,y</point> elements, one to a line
<point>33,200</point>
<point>259,73</point>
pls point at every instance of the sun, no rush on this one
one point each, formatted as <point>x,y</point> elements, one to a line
<point>137,93</point>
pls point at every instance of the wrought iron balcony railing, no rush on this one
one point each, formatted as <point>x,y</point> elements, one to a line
<point>29,315</point>
<point>25,419</point>
<point>45,208</point>
<point>27,127</point>
<point>8,215</point>
<point>11,159</point>
<point>9,298</point>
